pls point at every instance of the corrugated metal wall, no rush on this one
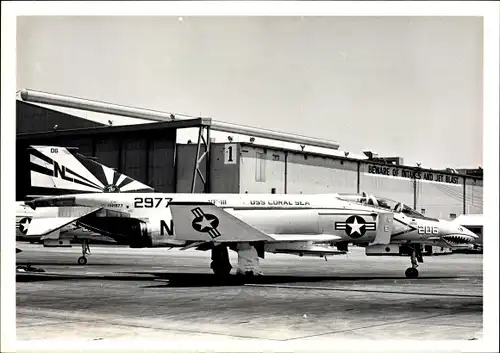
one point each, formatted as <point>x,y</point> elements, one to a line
<point>309,174</point>
<point>225,173</point>
<point>440,200</point>
<point>262,170</point>
<point>22,173</point>
<point>474,196</point>
<point>161,166</point>
<point>186,158</point>
<point>107,150</point>
<point>134,157</point>
<point>83,143</point>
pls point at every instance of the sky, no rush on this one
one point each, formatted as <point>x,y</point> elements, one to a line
<point>399,86</point>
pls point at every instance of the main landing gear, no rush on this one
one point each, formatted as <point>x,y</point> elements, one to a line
<point>220,261</point>
<point>248,261</point>
<point>415,257</point>
<point>82,260</point>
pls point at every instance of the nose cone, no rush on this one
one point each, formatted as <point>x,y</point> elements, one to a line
<point>455,234</point>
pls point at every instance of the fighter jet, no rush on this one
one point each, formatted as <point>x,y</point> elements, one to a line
<point>64,237</point>
<point>250,225</point>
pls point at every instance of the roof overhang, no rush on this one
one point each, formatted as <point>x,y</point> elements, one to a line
<point>174,125</point>
<point>154,115</point>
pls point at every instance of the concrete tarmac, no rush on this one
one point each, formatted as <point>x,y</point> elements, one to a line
<point>158,294</point>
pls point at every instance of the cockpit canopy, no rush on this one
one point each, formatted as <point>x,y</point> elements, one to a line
<point>384,203</point>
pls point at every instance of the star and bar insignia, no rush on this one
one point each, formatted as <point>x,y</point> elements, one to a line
<point>355,226</point>
<point>24,225</point>
<point>205,223</point>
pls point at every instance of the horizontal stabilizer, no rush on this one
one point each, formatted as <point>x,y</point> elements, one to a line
<point>199,221</point>
<point>44,226</point>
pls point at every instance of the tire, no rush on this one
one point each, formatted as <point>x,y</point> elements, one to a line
<point>82,260</point>
<point>411,272</point>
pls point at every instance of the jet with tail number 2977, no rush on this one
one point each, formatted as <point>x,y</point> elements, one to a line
<point>314,225</point>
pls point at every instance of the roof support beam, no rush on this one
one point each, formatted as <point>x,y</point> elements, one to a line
<point>93,106</point>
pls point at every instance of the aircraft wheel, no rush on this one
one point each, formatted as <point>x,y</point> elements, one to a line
<point>411,272</point>
<point>82,260</point>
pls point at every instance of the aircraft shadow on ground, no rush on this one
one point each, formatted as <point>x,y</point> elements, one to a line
<point>210,280</point>
<point>173,279</point>
<point>59,263</point>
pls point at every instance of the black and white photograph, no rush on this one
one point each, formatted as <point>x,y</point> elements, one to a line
<point>250,178</point>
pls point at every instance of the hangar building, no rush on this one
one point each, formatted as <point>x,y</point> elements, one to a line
<point>149,153</point>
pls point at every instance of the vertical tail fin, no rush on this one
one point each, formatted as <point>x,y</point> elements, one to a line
<point>58,170</point>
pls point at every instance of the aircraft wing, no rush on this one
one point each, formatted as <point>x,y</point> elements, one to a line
<point>44,226</point>
<point>203,221</point>
<point>316,238</point>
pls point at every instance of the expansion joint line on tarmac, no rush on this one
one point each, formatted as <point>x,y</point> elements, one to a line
<point>368,326</point>
<point>367,291</point>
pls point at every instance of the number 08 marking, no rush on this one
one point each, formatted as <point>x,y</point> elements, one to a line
<point>150,202</point>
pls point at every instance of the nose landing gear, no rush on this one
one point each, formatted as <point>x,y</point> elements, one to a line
<point>415,258</point>
<point>82,260</point>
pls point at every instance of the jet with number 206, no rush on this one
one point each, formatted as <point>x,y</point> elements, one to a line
<point>305,225</point>
<point>412,230</point>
